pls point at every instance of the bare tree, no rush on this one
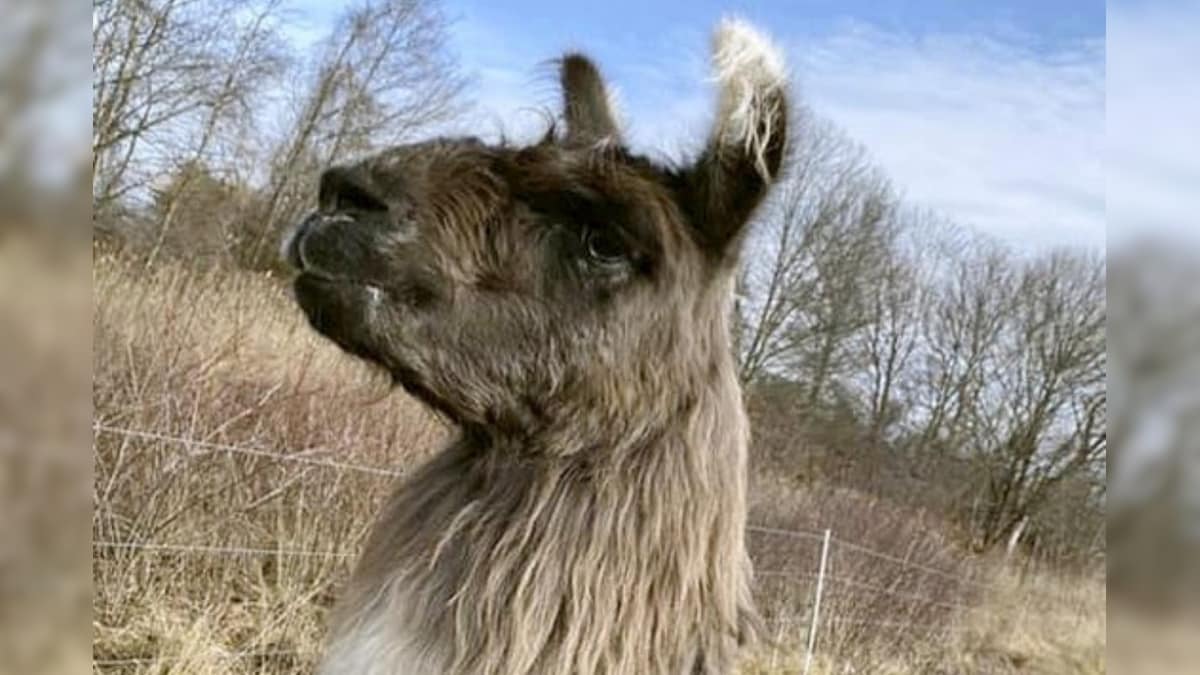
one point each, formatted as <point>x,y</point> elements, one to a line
<point>1051,424</point>
<point>884,351</point>
<point>831,226</point>
<point>150,60</point>
<point>1013,382</point>
<point>181,84</point>
<point>251,57</point>
<point>960,332</point>
<point>382,76</point>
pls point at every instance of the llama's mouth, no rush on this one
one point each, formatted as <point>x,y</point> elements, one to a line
<point>342,309</point>
<point>346,311</point>
<point>310,281</point>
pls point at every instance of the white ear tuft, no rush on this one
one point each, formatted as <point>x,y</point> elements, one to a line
<point>616,102</point>
<point>616,108</point>
<point>750,71</point>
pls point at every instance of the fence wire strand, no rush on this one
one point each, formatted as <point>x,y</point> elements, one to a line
<point>241,450</point>
<point>861,585</point>
<point>795,534</point>
<point>151,660</point>
<point>879,555</point>
<point>218,550</point>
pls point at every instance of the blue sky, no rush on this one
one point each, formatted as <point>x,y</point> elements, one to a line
<point>992,113</point>
<point>1042,21</point>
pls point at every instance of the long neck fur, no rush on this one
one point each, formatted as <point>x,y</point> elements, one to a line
<point>493,560</point>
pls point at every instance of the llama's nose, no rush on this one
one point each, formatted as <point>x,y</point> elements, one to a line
<point>347,231</point>
<point>350,188</point>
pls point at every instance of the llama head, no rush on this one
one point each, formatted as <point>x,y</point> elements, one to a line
<point>511,288</point>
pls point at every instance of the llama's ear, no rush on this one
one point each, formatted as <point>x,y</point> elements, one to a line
<point>747,143</point>
<point>587,108</point>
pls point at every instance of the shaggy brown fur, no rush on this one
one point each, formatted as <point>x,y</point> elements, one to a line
<point>567,306</point>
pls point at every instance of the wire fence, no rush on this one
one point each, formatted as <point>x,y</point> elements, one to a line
<point>228,656</point>
<point>300,457</point>
<point>217,550</point>
<point>821,575</point>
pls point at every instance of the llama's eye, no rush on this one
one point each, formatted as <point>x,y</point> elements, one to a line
<point>604,246</point>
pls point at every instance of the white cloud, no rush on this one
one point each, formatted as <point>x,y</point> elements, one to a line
<point>987,130</point>
<point>990,131</point>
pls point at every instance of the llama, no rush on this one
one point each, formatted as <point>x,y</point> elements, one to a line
<point>567,306</point>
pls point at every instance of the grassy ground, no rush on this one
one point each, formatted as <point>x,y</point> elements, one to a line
<point>239,460</point>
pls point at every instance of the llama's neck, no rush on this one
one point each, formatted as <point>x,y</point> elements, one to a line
<point>611,561</point>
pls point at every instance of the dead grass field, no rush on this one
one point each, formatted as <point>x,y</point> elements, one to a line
<point>253,455</point>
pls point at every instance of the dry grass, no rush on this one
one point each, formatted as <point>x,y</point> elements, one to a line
<point>1039,624</point>
<point>939,611</point>
<point>225,360</point>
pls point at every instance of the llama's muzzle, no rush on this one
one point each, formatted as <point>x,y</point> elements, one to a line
<point>291,249</point>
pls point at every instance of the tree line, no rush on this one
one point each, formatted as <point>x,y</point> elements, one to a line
<point>967,376</point>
